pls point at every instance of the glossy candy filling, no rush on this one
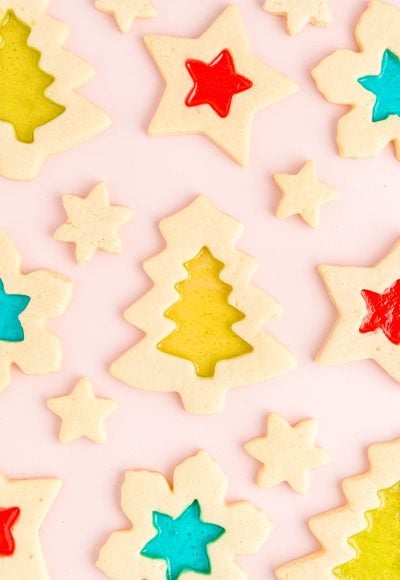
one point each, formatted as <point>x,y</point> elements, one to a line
<point>11,306</point>
<point>204,318</point>
<point>383,312</point>
<point>385,86</point>
<point>8,517</point>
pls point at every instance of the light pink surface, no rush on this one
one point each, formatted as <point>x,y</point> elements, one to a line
<point>355,404</point>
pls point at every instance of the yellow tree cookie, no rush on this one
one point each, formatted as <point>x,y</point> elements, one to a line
<point>26,302</point>
<point>40,111</point>
<point>24,505</point>
<point>203,318</point>
<point>368,82</point>
<point>187,528</point>
<point>360,540</point>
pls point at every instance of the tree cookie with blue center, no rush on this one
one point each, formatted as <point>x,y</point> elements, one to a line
<point>369,82</point>
<point>183,529</point>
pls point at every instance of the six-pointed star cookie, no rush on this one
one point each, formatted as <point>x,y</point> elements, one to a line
<point>23,506</point>
<point>214,85</point>
<point>92,223</point>
<point>125,11</point>
<point>368,304</point>
<point>287,452</point>
<point>299,13</point>
<point>303,194</point>
<point>82,413</point>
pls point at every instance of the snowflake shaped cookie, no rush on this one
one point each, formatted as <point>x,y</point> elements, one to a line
<point>360,539</point>
<point>27,301</point>
<point>187,527</point>
<point>368,305</point>
<point>214,85</point>
<point>368,82</point>
<point>203,318</point>
<point>287,452</point>
<point>299,13</point>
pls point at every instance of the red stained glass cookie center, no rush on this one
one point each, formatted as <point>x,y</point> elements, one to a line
<point>8,517</point>
<point>215,83</point>
<point>383,312</point>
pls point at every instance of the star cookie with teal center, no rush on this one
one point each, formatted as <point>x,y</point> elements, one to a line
<point>182,542</point>
<point>11,306</point>
<point>385,86</point>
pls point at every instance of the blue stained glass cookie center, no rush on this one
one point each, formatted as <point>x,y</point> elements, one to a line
<point>385,86</point>
<point>11,306</point>
<point>182,542</point>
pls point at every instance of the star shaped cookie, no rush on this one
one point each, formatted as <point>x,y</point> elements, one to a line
<point>125,11</point>
<point>24,505</point>
<point>214,85</point>
<point>82,413</point>
<point>303,194</point>
<point>299,13</point>
<point>287,452</point>
<point>368,305</point>
<point>92,223</point>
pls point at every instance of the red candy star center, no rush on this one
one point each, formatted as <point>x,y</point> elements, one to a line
<point>8,517</point>
<point>216,83</point>
<point>383,312</point>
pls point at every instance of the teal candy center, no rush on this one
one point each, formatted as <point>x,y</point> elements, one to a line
<point>385,86</point>
<point>182,542</point>
<point>11,306</point>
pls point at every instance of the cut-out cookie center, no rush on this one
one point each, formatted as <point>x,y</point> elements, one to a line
<point>216,83</point>
<point>204,318</point>
<point>8,517</point>
<point>385,86</point>
<point>182,542</point>
<point>23,102</point>
<point>383,311</point>
<point>11,306</point>
<point>377,547</point>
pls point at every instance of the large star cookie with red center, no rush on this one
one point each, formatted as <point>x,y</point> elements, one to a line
<point>214,85</point>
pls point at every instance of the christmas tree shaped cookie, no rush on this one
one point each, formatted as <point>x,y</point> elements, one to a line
<point>26,302</point>
<point>203,318</point>
<point>40,111</point>
<point>214,85</point>
<point>184,530</point>
<point>360,540</point>
<point>368,81</point>
<point>368,304</point>
<point>23,506</point>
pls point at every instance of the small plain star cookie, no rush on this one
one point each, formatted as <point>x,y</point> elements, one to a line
<point>287,452</point>
<point>214,85</point>
<point>186,527</point>
<point>358,540</point>
<point>82,413</point>
<point>92,223</point>
<point>303,194</point>
<point>367,81</point>
<point>368,305</point>
<point>125,11</point>
<point>299,13</point>
<point>41,112</point>
<point>24,504</point>
<point>203,319</point>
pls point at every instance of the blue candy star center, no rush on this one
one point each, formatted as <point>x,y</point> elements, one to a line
<point>385,86</point>
<point>11,306</point>
<point>182,542</point>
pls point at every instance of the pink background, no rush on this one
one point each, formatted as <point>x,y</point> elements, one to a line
<point>355,404</point>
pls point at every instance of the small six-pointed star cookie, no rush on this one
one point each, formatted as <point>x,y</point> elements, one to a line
<point>26,302</point>
<point>303,194</point>
<point>92,223</point>
<point>287,452</point>
<point>368,81</point>
<point>23,506</point>
<point>82,413</point>
<point>125,11</point>
<point>183,529</point>
<point>299,13</point>
<point>368,304</point>
<point>214,85</point>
